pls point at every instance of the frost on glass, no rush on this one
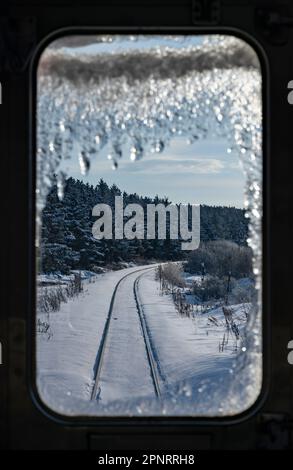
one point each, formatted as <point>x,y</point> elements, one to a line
<point>136,98</point>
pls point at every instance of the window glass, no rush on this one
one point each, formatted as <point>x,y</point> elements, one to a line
<point>148,226</point>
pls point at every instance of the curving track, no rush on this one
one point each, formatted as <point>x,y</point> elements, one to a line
<point>125,364</point>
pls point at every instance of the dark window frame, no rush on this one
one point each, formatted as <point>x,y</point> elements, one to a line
<point>266,332</point>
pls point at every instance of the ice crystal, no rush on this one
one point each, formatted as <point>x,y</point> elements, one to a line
<point>136,99</point>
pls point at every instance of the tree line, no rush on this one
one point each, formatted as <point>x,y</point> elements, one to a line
<point>67,242</point>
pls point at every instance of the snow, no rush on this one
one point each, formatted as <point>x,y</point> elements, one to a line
<point>58,278</point>
<point>65,362</point>
<point>197,376</point>
<point>191,278</point>
<point>239,120</point>
<point>186,348</point>
<point>125,371</point>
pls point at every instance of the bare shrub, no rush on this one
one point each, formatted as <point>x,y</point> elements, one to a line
<point>220,258</point>
<point>43,327</point>
<point>171,275</point>
<point>50,299</point>
<point>211,288</point>
<point>184,308</point>
<point>74,287</point>
<point>230,324</point>
<point>243,294</point>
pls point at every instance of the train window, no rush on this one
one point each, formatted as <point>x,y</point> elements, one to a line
<point>149,226</point>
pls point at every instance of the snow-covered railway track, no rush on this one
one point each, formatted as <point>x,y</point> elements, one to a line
<point>125,362</point>
<point>149,349</point>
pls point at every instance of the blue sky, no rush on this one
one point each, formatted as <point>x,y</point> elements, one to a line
<point>200,173</point>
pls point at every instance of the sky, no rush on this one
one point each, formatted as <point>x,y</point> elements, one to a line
<point>200,173</point>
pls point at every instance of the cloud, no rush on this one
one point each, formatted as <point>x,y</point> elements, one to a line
<point>174,165</point>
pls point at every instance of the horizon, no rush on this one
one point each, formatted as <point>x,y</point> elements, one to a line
<point>161,198</point>
<point>199,173</point>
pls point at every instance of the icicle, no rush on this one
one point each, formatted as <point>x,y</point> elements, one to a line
<point>61,179</point>
<point>84,163</point>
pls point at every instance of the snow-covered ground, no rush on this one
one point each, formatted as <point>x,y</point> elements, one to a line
<point>66,360</point>
<point>195,355</point>
<point>62,279</point>
<point>187,348</point>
